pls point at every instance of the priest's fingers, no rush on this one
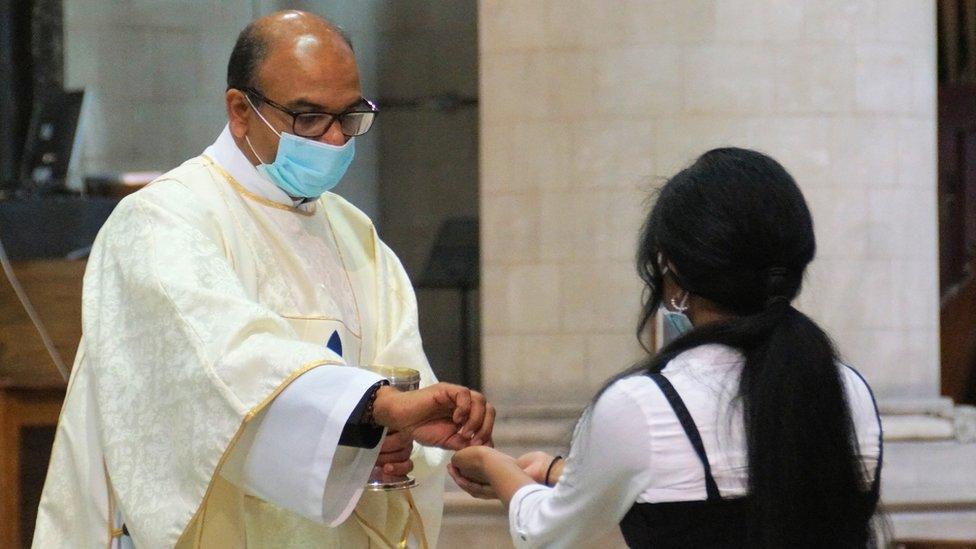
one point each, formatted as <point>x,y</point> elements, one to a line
<point>476,417</point>
<point>484,434</point>
<point>462,404</point>
<point>399,468</point>
<point>395,441</point>
<point>396,456</point>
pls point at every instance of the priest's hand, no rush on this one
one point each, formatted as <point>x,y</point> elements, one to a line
<point>443,415</point>
<point>394,456</point>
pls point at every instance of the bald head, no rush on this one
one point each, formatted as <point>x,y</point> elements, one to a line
<point>283,64</point>
<point>287,28</point>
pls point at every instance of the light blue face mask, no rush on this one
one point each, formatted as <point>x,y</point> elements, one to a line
<point>675,323</point>
<point>304,168</point>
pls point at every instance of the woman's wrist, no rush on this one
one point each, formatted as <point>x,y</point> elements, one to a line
<point>547,480</point>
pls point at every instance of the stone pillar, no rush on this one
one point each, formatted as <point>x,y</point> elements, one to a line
<point>586,106</point>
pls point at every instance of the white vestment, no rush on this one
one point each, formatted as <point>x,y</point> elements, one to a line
<point>203,302</point>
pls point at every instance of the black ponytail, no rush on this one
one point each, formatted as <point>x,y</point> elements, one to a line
<point>737,230</point>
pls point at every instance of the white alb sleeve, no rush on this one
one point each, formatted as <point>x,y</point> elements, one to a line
<point>289,454</point>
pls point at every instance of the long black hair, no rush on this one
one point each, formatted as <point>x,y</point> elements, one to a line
<point>736,229</point>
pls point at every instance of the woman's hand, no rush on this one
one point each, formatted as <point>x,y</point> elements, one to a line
<point>485,472</point>
<point>467,468</point>
<point>536,464</point>
<point>472,463</point>
<point>480,491</point>
<point>443,415</point>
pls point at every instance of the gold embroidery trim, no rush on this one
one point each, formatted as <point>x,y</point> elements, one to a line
<point>200,512</point>
<point>352,288</point>
<point>415,522</point>
<point>421,530</point>
<point>248,194</point>
<point>296,316</point>
<point>373,533</point>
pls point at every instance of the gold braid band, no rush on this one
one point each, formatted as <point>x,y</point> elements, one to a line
<point>415,523</point>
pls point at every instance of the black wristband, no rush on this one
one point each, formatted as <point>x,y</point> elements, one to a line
<point>367,418</point>
<point>549,470</point>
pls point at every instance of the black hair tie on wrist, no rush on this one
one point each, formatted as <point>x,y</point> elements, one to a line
<point>549,470</point>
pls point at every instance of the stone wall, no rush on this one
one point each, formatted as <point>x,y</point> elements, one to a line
<point>586,106</point>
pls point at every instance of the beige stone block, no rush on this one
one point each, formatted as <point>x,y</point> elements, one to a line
<point>510,228</point>
<point>834,294</point>
<point>908,22</point>
<point>579,25</point>
<point>602,297</point>
<point>525,156</point>
<point>638,81</point>
<point>841,21</point>
<point>893,78</point>
<point>814,78</point>
<point>535,369</point>
<point>617,237</point>
<point>654,22</point>
<point>512,84</point>
<point>758,20</point>
<point>597,25</point>
<point>511,25</point>
<point>610,354</point>
<point>897,363</point>
<point>839,223</point>
<point>916,154</point>
<point>728,78</point>
<point>902,223</point>
<point>499,374</point>
<point>800,143</point>
<point>612,153</point>
<point>532,296</point>
<point>917,286</point>
<point>554,366</point>
<point>883,296</point>
<point>568,222</point>
<point>494,306</point>
<point>570,85</point>
<point>863,151</point>
<point>679,140</point>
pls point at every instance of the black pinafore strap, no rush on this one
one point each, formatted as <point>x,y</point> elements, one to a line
<point>691,431</point>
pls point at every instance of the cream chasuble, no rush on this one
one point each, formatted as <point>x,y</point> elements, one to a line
<point>203,302</point>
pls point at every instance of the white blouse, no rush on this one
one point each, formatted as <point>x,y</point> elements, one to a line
<point>630,447</point>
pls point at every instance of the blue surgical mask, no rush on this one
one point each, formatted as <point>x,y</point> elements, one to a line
<point>305,168</point>
<point>675,323</point>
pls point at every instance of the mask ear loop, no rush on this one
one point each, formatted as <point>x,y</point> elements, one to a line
<point>680,307</point>
<point>266,123</point>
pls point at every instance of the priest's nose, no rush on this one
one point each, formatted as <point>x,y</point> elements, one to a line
<point>334,135</point>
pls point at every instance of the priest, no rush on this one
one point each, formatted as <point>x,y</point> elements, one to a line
<point>233,310</point>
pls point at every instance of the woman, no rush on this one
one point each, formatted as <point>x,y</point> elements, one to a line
<point>743,431</point>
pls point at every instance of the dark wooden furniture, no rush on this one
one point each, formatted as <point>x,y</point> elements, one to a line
<point>31,389</point>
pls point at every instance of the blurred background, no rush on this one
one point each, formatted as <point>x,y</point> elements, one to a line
<point>510,170</point>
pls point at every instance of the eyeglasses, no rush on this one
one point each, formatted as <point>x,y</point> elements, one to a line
<point>353,122</point>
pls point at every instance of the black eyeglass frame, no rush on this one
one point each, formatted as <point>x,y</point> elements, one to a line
<point>371,109</point>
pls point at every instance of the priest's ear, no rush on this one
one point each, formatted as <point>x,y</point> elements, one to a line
<point>238,112</point>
